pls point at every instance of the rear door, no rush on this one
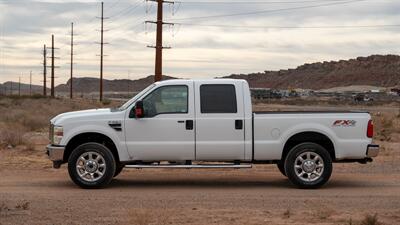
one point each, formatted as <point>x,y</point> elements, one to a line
<point>219,120</point>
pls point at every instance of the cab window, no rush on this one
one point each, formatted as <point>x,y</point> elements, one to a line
<point>166,100</point>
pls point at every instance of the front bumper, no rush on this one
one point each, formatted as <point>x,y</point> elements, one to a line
<point>372,150</point>
<point>55,153</point>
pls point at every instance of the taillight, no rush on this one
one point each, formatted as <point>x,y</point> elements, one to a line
<point>370,129</point>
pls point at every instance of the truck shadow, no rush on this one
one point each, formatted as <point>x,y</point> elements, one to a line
<point>213,183</point>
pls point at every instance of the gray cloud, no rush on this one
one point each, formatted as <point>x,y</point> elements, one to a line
<point>198,51</point>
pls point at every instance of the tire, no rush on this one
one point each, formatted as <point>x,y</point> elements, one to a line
<point>118,170</point>
<point>308,165</point>
<point>281,167</point>
<point>91,165</point>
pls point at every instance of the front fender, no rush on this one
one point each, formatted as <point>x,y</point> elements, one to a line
<point>106,131</point>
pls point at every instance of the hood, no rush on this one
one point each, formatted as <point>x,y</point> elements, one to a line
<point>82,113</point>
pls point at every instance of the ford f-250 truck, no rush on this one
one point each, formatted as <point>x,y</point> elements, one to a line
<point>206,124</point>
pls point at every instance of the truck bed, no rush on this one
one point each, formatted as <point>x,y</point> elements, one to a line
<point>272,129</point>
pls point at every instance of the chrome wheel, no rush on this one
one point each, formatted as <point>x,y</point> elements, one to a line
<point>309,166</point>
<point>90,166</point>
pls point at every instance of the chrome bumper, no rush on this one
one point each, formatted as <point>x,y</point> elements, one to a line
<point>372,150</point>
<point>55,153</point>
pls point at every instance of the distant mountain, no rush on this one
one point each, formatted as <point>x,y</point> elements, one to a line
<point>24,88</point>
<point>89,84</point>
<point>374,70</point>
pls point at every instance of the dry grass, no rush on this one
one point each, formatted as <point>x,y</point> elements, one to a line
<point>23,205</point>
<point>23,115</point>
<point>141,216</point>
<point>370,220</point>
<point>386,125</point>
<point>287,213</point>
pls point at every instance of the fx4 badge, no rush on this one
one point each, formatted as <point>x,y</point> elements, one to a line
<point>344,123</point>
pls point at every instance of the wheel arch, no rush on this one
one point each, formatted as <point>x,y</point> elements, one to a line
<point>309,136</point>
<point>86,137</point>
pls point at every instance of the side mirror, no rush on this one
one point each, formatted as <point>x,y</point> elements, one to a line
<point>139,111</point>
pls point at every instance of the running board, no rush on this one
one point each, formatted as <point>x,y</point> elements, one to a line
<point>195,166</point>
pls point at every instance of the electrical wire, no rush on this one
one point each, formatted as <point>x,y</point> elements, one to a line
<point>268,11</point>
<point>293,27</point>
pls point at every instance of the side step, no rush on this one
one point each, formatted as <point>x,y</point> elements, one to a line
<point>194,166</point>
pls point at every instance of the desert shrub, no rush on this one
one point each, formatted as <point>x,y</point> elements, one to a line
<point>370,220</point>
<point>34,122</point>
<point>139,217</point>
<point>106,102</point>
<point>287,213</point>
<point>29,145</point>
<point>12,135</point>
<point>23,205</point>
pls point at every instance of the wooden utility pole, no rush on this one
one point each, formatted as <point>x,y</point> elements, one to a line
<point>52,67</point>
<point>52,91</point>
<point>101,52</point>
<point>72,59</point>
<point>44,70</point>
<point>30,82</point>
<point>19,86</point>
<point>159,38</point>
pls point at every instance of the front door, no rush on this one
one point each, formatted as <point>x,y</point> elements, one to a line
<point>166,132</point>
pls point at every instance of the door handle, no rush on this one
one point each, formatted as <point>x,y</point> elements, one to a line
<point>181,121</point>
<point>189,124</point>
<point>238,124</point>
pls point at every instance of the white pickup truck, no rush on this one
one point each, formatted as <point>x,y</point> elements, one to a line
<point>206,124</point>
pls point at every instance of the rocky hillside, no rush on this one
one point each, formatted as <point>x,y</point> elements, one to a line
<point>375,70</point>
<point>88,84</point>
<point>24,88</point>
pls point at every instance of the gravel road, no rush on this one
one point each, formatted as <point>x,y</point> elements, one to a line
<point>250,196</point>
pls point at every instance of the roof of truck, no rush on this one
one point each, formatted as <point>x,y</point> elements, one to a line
<point>215,80</point>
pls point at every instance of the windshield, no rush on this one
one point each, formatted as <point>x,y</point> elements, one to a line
<point>132,100</point>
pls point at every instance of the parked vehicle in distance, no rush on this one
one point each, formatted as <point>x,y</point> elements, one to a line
<point>180,123</point>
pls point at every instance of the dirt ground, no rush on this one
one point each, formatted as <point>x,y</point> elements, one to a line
<point>31,192</point>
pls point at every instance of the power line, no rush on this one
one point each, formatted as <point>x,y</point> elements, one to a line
<point>256,2</point>
<point>268,11</point>
<point>159,38</point>
<point>292,27</point>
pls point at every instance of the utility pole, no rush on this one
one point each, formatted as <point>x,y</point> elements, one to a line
<point>72,59</point>
<point>159,38</point>
<point>52,66</point>
<point>101,50</point>
<point>44,70</point>
<point>19,86</point>
<point>30,82</point>
<point>11,88</point>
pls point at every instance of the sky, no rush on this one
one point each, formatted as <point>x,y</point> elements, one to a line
<point>209,38</point>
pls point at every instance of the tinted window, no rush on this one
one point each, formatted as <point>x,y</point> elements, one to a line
<point>167,99</point>
<point>218,98</point>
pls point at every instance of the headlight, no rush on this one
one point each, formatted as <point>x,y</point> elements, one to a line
<point>58,133</point>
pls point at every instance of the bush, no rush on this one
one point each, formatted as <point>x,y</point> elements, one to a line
<point>370,220</point>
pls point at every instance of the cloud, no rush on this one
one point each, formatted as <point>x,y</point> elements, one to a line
<point>198,51</point>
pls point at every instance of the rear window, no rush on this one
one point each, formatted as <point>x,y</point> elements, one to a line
<point>218,98</point>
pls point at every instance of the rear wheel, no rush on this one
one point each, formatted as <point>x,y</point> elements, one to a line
<point>281,167</point>
<point>308,165</point>
<point>91,165</point>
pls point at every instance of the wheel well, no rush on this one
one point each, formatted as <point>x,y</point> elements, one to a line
<point>313,137</point>
<point>90,137</point>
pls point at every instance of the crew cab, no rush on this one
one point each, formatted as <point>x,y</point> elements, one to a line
<point>206,124</point>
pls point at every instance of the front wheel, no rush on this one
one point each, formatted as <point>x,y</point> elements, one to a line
<point>281,167</point>
<point>91,165</point>
<point>308,165</point>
